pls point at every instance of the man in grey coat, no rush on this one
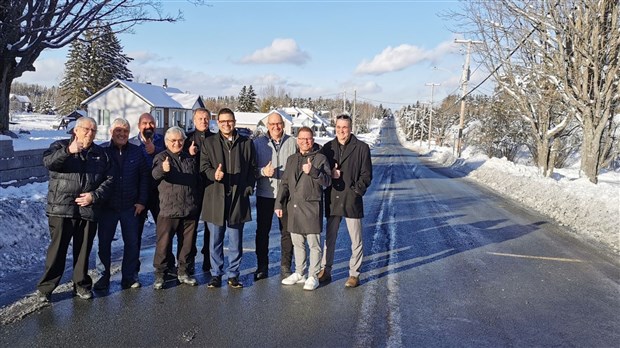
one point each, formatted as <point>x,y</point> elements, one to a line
<point>301,191</point>
<point>272,150</point>
<point>351,169</point>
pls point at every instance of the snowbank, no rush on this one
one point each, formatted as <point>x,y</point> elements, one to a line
<point>590,211</point>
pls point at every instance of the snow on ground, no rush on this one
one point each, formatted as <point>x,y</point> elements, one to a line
<point>591,211</point>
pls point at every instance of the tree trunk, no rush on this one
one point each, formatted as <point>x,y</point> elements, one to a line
<point>543,156</point>
<point>591,149</point>
<point>6,78</point>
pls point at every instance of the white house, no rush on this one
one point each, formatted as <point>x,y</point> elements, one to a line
<point>304,117</point>
<point>169,106</point>
<point>19,103</point>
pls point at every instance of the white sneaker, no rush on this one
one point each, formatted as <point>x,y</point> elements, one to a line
<point>311,284</point>
<point>293,279</point>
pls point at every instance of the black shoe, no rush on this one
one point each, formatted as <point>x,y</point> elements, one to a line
<point>258,275</point>
<point>103,283</point>
<point>43,297</point>
<point>206,266</point>
<point>83,293</point>
<point>190,268</point>
<point>215,282</point>
<point>234,283</point>
<point>185,279</point>
<point>130,284</point>
<point>159,282</point>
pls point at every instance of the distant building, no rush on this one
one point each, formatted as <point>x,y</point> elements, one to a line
<point>169,106</point>
<point>19,103</point>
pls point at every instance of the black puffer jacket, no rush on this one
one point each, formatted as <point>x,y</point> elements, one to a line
<point>132,177</point>
<point>178,189</point>
<point>73,174</point>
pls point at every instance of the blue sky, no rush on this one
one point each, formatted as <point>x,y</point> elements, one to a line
<point>383,50</point>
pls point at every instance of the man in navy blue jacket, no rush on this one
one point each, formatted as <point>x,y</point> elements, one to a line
<point>126,203</point>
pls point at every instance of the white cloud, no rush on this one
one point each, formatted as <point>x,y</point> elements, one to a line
<point>283,51</point>
<point>49,72</point>
<point>144,57</point>
<point>401,57</point>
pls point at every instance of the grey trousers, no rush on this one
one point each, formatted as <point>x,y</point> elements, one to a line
<point>357,249</point>
<point>299,251</point>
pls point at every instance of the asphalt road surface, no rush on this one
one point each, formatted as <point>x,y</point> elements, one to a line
<point>447,263</point>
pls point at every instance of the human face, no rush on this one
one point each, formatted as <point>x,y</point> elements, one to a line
<point>201,121</point>
<point>145,122</point>
<point>275,126</point>
<point>305,141</point>
<point>226,122</point>
<point>120,135</point>
<point>85,133</point>
<point>174,142</point>
<point>343,130</point>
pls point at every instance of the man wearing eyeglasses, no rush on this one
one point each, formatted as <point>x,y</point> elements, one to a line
<point>351,170</point>
<point>80,181</point>
<point>228,161</point>
<point>272,151</point>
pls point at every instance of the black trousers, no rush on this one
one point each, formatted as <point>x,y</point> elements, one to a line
<point>264,217</point>
<point>167,228</point>
<point>62,231</point>
<point>152,205</point>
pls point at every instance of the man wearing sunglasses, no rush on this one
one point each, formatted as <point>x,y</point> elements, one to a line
<point>351,170</point>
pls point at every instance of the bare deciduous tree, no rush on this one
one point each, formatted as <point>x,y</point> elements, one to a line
<point>559,60</point>
<point>28,27</point>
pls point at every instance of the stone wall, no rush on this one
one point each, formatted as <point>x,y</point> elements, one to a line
<point>18,168</point>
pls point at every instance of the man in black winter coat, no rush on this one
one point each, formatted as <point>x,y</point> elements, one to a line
<point>80,181</point>
<point>351,170</point>
<point>192,145</point>
<point>229,163</point>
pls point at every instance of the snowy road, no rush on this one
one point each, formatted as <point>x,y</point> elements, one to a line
<point>447,264</point>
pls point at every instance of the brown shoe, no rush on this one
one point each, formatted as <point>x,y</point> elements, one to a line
<point>352,282</point>
<point>324,276</point>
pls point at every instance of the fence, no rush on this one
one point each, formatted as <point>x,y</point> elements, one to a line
<point>18,168</point>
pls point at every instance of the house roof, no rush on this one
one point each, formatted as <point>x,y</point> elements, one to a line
<point>156,96</point>
<point>249,117</point>
<point>20,98</point>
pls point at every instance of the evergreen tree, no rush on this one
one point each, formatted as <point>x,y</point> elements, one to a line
<point>247,100</point>
<point>92,63</point>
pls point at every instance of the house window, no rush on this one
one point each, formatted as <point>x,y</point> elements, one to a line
<point>159,120</point>
<point>103,117</point>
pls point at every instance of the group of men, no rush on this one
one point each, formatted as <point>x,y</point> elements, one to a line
<point>183,178</point>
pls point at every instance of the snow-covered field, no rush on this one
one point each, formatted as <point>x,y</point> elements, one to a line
<point>590,211</point>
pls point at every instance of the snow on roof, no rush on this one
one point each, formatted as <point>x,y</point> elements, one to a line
<point>156,96</point>
<point>186,100</point>
<point>285,116</point>
<point>249,117</point>
<point>20,98</point>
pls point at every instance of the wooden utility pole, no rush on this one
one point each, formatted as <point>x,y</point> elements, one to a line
<point>430,122</point>
<point>464,80</point>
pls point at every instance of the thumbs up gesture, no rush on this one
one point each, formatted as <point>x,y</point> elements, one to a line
<point>269,170</point>
<point>219,174</point>
<point>307,166</point>
<point>75,146</point>
<point>336,172</point>
<point>193,149</point>
<point>165,165</point>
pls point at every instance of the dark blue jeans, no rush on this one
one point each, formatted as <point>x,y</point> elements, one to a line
<point>235,249</point>
<point>130,230</point>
